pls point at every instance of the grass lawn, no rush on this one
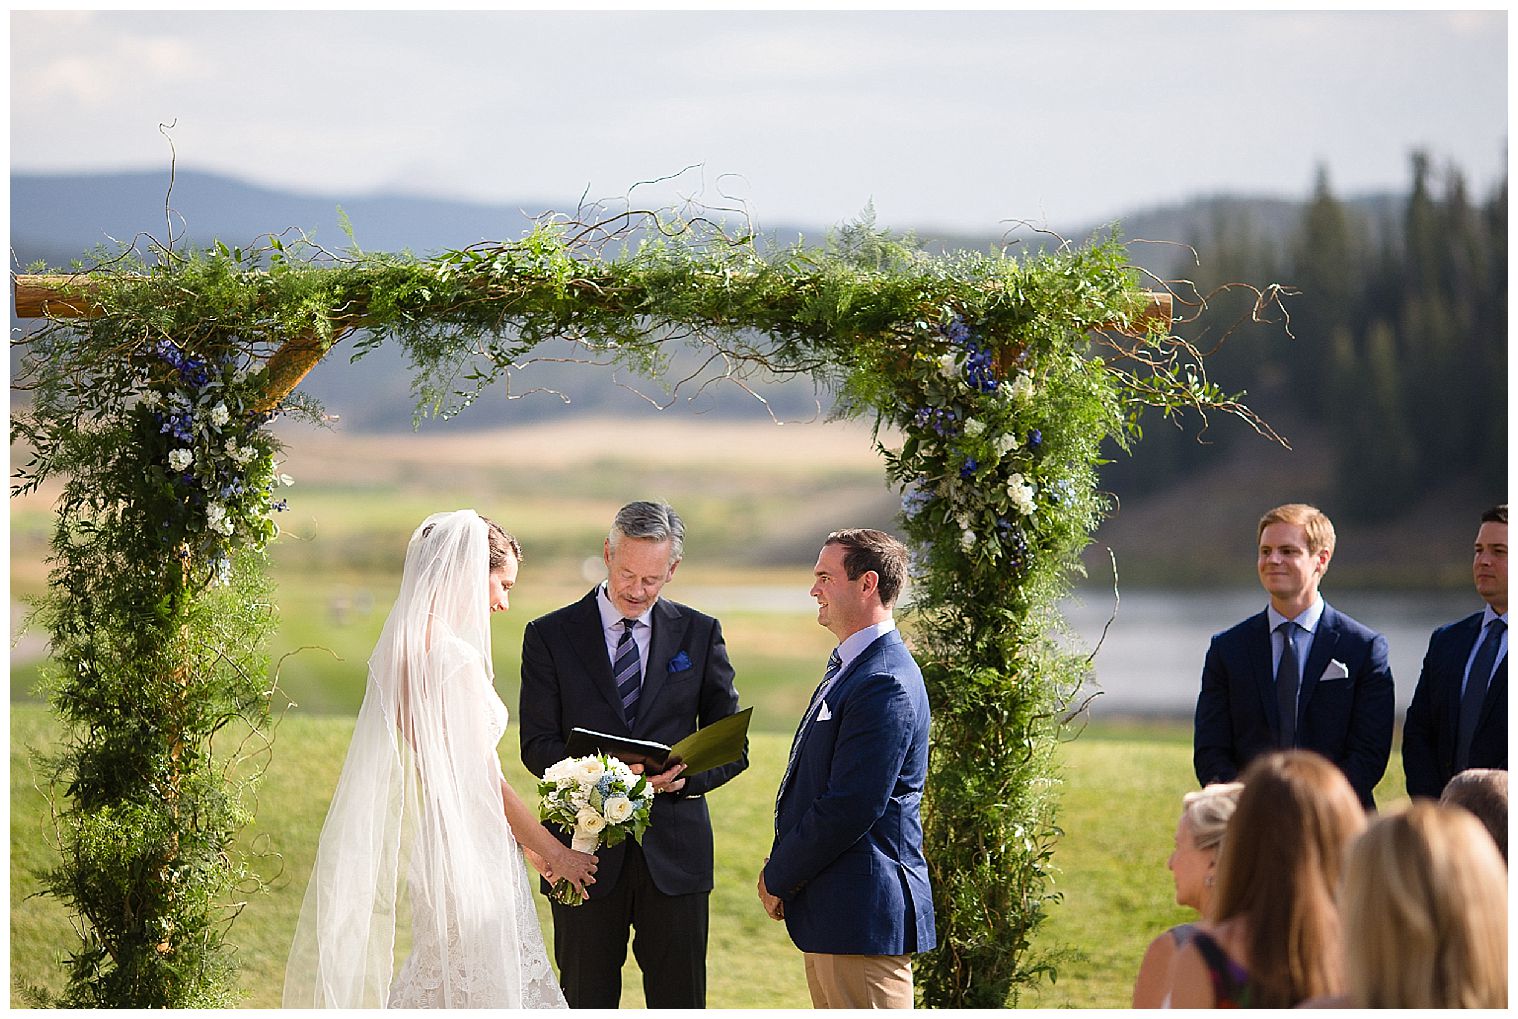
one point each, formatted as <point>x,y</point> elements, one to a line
<point>1122,791</point>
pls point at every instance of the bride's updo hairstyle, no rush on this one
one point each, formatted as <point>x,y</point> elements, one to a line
<point>503,545</point>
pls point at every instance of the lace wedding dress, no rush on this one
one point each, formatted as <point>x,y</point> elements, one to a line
<point>417,817</point>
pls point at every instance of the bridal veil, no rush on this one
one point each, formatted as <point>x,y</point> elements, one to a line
<point>416,823</point>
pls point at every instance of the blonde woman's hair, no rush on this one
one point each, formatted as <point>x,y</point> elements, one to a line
<point>1279,869</point>
<point>1425,897</point>
<point>1207,812</point>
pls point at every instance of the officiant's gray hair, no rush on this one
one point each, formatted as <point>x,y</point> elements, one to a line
<point>650,521</point>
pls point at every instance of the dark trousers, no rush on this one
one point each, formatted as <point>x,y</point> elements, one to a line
<point>669,942</point>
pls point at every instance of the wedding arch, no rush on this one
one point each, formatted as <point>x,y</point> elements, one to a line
<point>149,389</point>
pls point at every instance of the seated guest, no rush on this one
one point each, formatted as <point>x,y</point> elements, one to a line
<point>1425,913</point>
<point>1275,941</point>
<point>1482,791</point>
<point>1204,817</point>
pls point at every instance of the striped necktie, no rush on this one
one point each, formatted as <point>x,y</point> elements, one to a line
<point>627,670</point>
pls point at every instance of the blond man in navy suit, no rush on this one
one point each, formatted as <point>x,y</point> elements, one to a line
<point>1299,674</point>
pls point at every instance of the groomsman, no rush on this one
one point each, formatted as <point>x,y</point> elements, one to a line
<point>1458,716</point>
<point>846,871</point>
<point>1300,673</point>
<point>625,661</point>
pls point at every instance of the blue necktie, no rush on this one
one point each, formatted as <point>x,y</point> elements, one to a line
<point>627,670</point>
<point>835,663</point>
<point>1475,692</point>
<point>1288,678</point>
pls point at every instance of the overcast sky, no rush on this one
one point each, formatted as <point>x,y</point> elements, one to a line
<point>950,120</point>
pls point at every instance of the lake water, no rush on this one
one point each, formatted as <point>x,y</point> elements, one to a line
<point>1151,660</point>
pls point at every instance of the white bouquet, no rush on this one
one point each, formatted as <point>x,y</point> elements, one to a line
<point>600,800</point>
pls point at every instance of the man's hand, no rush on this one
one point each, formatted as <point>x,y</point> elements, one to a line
<point>665,781</point>
<point>771,903</point>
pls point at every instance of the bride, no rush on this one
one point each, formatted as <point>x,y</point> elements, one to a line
<point>421,806</point>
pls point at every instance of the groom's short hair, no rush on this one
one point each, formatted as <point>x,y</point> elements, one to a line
<point>868,549</point>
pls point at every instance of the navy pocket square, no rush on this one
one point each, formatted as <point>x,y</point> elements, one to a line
<point>680,662</point>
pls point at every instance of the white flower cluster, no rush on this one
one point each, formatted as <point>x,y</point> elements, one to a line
<point>217,519</point>
<point>1021,493</point>
<point>595,791</point>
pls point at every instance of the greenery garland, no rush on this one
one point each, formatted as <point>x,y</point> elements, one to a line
<point>155,412</point>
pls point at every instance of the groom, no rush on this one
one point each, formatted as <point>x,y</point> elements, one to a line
<point>846,872</point>
<point>622,660</point>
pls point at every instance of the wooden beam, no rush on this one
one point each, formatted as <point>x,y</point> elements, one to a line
<point>56,297</point>
<point>68,297</point>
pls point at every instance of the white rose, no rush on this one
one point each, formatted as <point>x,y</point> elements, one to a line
<point>618,809</point>
<point>180,459</point>
<point>949,366</point>
<point>560,772</point>
<point>588,770</point>
<point>973,428</point>
<point>220,415</point>
<point>589,822</point>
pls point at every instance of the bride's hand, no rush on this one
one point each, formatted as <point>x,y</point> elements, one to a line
<point>578,869</point>
<point>539,864</point>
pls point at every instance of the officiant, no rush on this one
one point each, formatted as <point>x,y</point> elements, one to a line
<point>625,661</point>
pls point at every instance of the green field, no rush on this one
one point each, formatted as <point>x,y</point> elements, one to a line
<point>757,502</point>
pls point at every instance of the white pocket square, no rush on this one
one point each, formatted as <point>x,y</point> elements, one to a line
<point>1336,670</point>
<point>823,714</point>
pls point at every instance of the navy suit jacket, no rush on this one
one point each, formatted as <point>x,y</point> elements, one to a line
<point>847,858</point>
<point>1348,720</point>
<point>1428,736</point>
<point>567,682</point>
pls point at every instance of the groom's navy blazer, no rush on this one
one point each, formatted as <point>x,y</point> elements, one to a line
<point>1346,718</point>
<point>687,684</point>
<point>1428,736</point>
<point>847,859</point>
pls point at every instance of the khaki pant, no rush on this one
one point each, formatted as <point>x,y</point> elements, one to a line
<point>859,981</point>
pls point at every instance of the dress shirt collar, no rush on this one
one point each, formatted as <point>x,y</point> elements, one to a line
<point>854,644</point>
<point>611,616</point>
<point>1308,620</point>
<point>1490,614</point>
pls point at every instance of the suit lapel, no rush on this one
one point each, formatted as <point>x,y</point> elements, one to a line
<point>809,720</point>
<point>1325,640</point>
<point>1459,653</point>
<point>669,626</point>
<point>590,647</point>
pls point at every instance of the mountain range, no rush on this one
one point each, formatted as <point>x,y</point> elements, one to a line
<point>58,218</point>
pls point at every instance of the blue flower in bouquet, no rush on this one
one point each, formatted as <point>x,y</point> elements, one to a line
<point>1035,439</point>
<point>970,466</point>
